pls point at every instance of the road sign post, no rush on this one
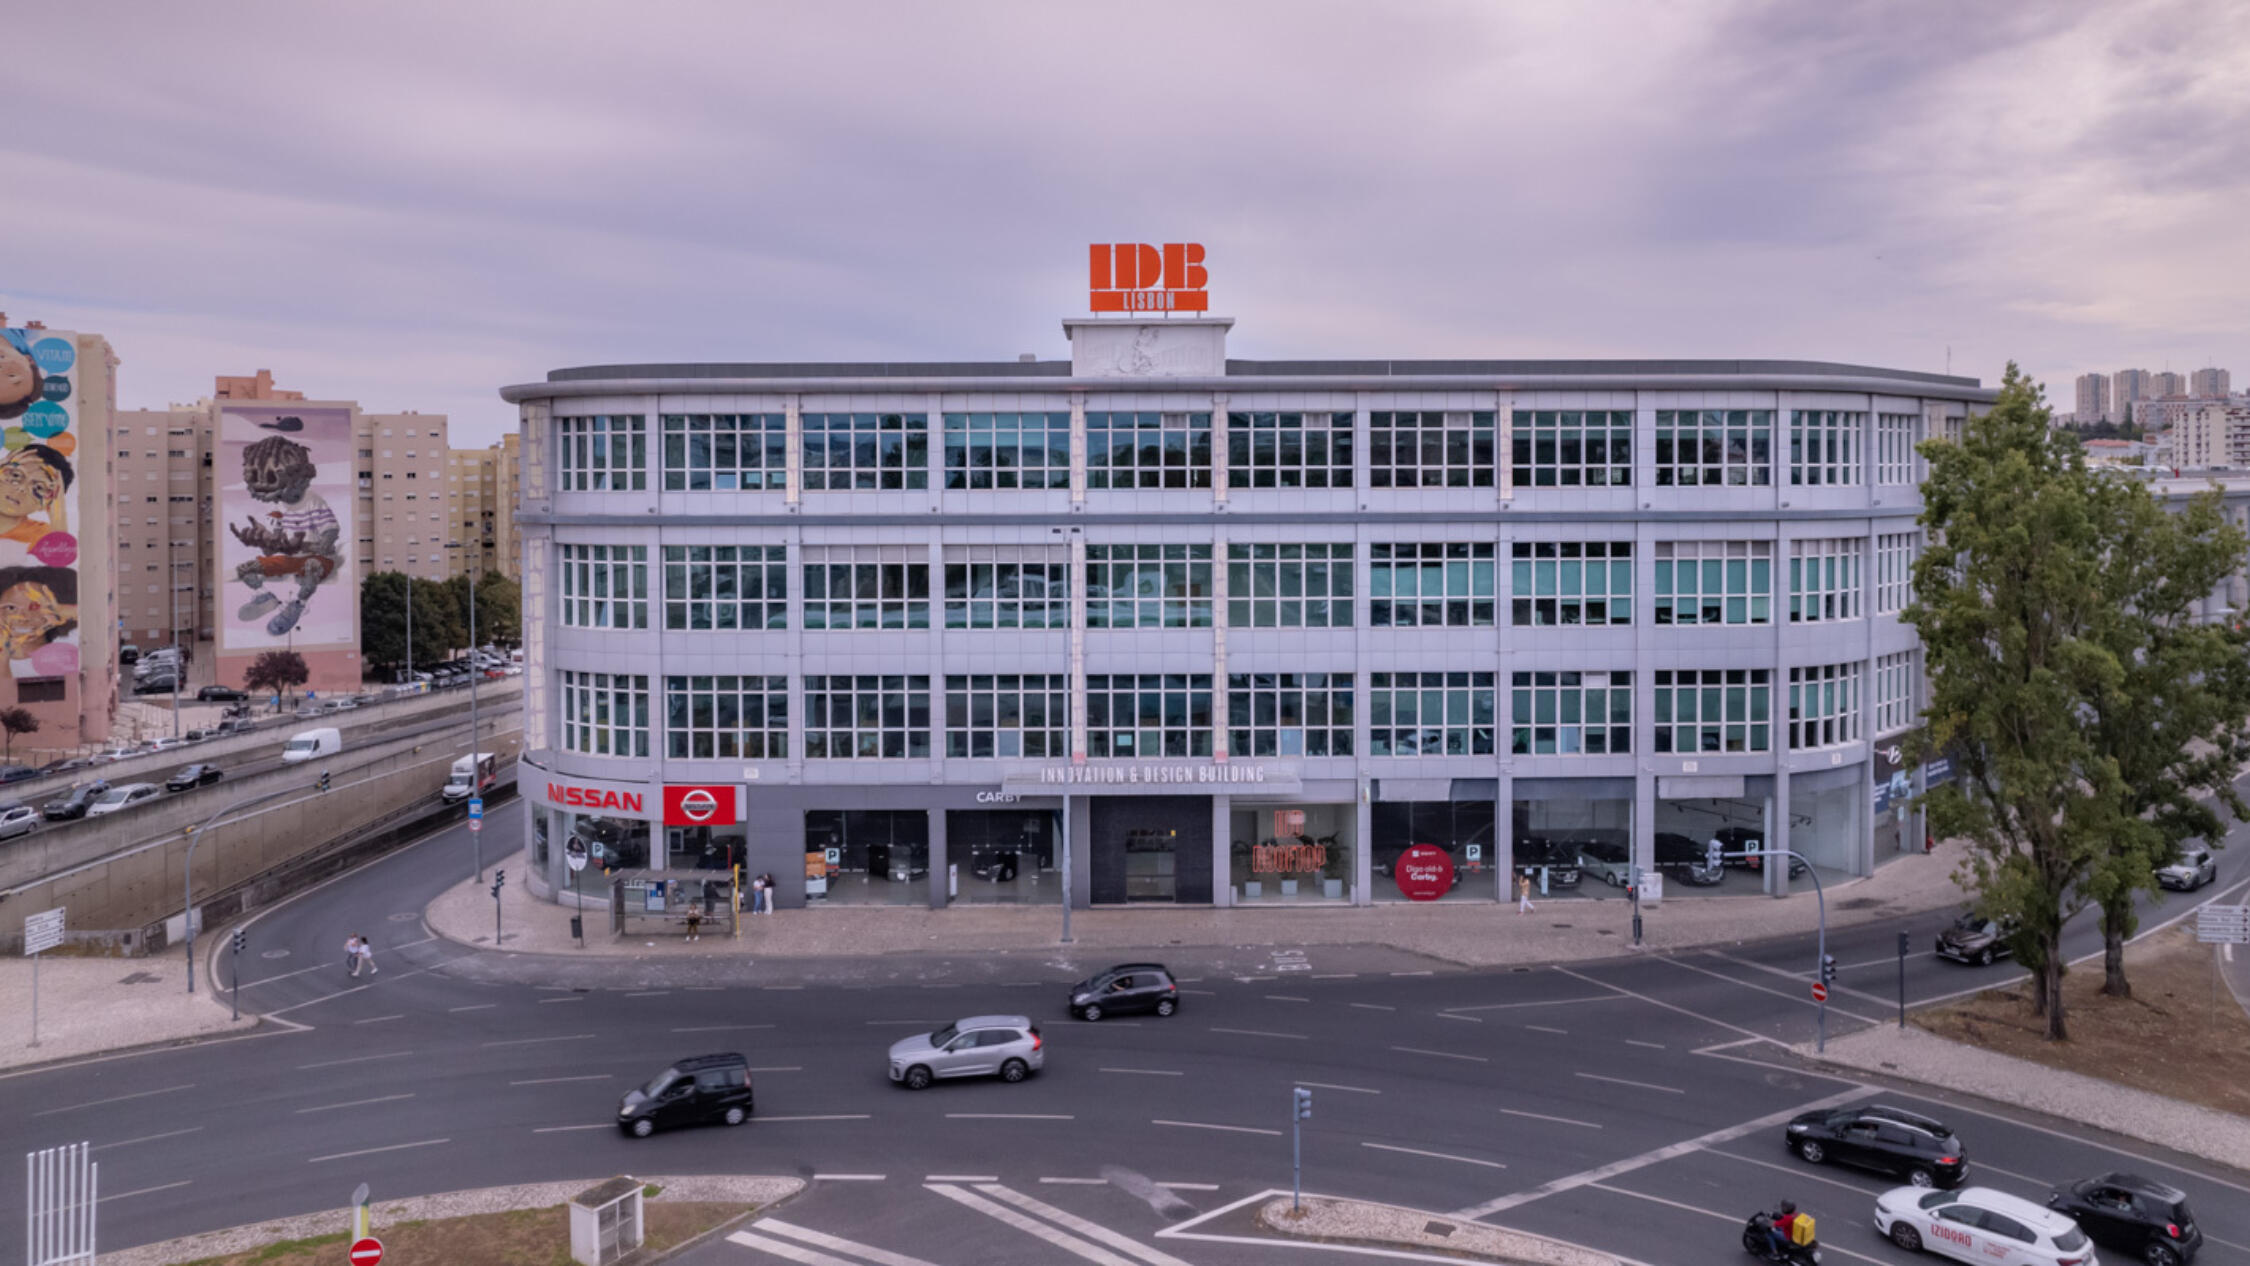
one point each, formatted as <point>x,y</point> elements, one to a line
<point>41,932</point>
<point>1300,1107</point>
<point>574,854</point>
<point>2223,925</point>
<point>1824,966</point>
<point>1902,981</point>
<point>367,1251</point>
<point>360,1222</point>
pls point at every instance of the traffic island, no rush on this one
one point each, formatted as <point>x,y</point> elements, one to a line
<point>1365,1224</point>
<point>528,1223</point>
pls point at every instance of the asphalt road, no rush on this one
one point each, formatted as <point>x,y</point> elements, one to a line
<point>1632,1104</point>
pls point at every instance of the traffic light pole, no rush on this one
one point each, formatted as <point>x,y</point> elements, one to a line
<point>195,837</point>
<point>1300,1107</point>
<point>1823,970</point>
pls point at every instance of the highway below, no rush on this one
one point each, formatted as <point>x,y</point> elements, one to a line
<point>1633,1104</point>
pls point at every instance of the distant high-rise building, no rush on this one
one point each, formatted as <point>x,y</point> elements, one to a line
<point>2128,387</point>
<point>2166,383</point>
<point>2093,399</point>
<point>2210,384</point>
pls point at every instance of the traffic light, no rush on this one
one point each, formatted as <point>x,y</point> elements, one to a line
<point>324,780</point>
<point>1828,969</point>
<point>1304,1104</point>
<point>241,938</point>
<point>499,881</point>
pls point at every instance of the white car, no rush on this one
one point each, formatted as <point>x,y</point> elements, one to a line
<point>2192,869</point>
<point>17,819</point>
<point>165,744</point>
<point>123,797</point>
<point>1978,1224</point>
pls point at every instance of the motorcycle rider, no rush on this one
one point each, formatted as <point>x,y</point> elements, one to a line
<point>1778,1229</point>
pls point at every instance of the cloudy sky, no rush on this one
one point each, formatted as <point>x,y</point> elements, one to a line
<point>412,204</point>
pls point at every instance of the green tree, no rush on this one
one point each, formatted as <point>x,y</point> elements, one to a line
<point>16,720</point>
<point>281,671</point>
<point>499,609</point>
<point>382,619</point>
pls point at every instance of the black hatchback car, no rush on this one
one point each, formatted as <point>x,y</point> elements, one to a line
<point>704,1090</point>
<point>75,802</point>
<point>1973,938</point>
<point>1891,1141</point>
<point>1123,988</point>
<point>2134,1215</point>
<point>187,777</point>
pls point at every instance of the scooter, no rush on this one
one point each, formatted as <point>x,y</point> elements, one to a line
<point>1757,1241</point>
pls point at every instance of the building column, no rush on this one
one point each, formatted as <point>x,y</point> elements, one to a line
<point>1777,832</point>
<point>1222,851</point>
<point>1504,829</point>
<point>1077,821</point>
<point>1363,858</point>
<point>1644,822</point>
<point>1864,863</point>
<point>940,889</point>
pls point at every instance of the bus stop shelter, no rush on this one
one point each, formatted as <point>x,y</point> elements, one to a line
<point>642,902</point>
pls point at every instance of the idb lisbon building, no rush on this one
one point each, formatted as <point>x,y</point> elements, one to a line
<point>1150,624</point>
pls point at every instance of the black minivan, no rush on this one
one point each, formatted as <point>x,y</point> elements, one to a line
<point>1125,987</point>
<point>704,1090</point>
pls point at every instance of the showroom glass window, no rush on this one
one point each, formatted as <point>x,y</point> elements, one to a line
<point>1007,715</point>
<point>1425,584</point>
<point>1289,450</point>
<point>1894,570</point>
<point>867,587</point>
<point>848,451</point>
<point>1431,449</point>
<point>1713,710</point>
<point>1006,587</point>
<point>603,453</point>
<point>1572,448</point>
<point>867,717</point>
<point>1823,705</point>
<point>1824,579</point>
<point>1007,450</point>
<point>726,718</point>
<point>1430,714</point>
<point>1714,447</point>
<point>1289,586</point>
<point>726,587</point>
<point>1894,693</point>
<point>1824,447</point>
<point>611,843</point>
<point>1148,586</point>
<point>605,714</point>
<point>1148,714</point>
<point>1571,714</point>
<point>1572,582</point>
<point>1289,714</point>
<point>1894,448</point>
<point>1148,450</point>
<point>725,452</point>
<point>1713,582</point>
<point>604,586</point>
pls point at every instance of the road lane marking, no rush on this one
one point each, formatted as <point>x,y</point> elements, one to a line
<point>821,1239</point>
<point>1549,1002</point>
<point>1285,997</point>
<point>722,1028</point>
<point>1797,1171</point>
<point>1416,1050</point>
<point>1826,1246</point>
<point>1146,1072</point>
<point>526,1041</point>
<point>95,1103</point>
<point>1620,1081</point>
<point>1030,1226</point>
<point>1230,1129</point>
<point>893,1023</point>
<point>378,1019</point>
<point>826,1116</point>
<point>146,1138</point>
<point>1208,993</point>
<point>356,1059</point>
<point>1077,1182</point>
<point>841,1177</point>
<point>961,1178</point>
<point>1373,1006</point>
<point>142,1191</point>
<point>1541,1116</point>
<point>1329,1085</point>
<point>546,1002</point>
<point>1447,1015</point>
<point>2198,1174</point>
<point>356,1103</point>
<point>1009,1116</point>
<point>650,993</point>
<point>1631,1163</point>
<point>1986,1167</point>
<point>777,1068</point>
<point>1654,1046</point>
<point>1189,1186</point>
<point>267,980</point>
<point>1072,1222</point>
<point>565,1129</point>
<point>1334,975</point>
<point>1642,997</point>
<point>1412,973</point>
<point>550,1081</point>
<point>1294,1037</point>
<point>1542,1028</point>
<point>1416,1151</point>
<point>372,1151</point>
<point>1739,983</point>
<point>474,1006</point>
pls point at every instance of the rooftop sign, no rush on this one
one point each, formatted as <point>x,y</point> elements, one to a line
<point>1135,277</point>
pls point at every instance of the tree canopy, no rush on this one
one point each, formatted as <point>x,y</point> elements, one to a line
<point>277,671</point>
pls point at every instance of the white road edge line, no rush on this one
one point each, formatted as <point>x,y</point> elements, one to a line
<point>1620,1081</point>
<point>1230,1129</point>
<point>1642,997</point>
<point>1146,1072</point>
<point>830,1116</point>
<point>1416,1151</point>
<point>845,1177</point>
<point>1091,1230</point>
<point>142,1191</point>
<point>527,1041</point>
<point>356,1059</point>
<point>1417,1050</point>
<point>1009,1116</point>
<point>1030,1226</point>
<point>1541,1116</point>
<point>1329,1085</point>
<point>146,1138</point>
<point>356,1103</point>
<point>565,1129</point>
<point>95,1103</point>
<point>879,1256</point>
<point>1294,1037</point>
<point>371,1151</point>
<point>553,1081</point>
<point>1186,1231</point>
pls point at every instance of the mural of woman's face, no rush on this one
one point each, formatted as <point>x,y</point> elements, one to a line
<point>27,484</point>
<point>27,610</point>
<point>19,378</point>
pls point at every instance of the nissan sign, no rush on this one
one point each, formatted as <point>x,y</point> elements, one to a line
<point>702,806</point>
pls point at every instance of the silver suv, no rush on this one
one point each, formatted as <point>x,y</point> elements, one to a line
<point>981,1045</point>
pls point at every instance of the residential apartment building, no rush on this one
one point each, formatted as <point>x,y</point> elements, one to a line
<point>481,488</point>
<point>2128,387</point>
<point>2166,383</point>
<point>2211,435</point>
<point>2093,399</point>
<point>2210,384</point>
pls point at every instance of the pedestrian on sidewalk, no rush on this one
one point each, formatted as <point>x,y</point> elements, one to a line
<point>694,922</point>
<point>1523,894</point>
<point>351,955</point>
<point>367,953</point>
<point>765,898</point>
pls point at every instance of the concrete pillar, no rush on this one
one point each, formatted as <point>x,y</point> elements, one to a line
<point>1504,825</point>
<point>1644,821</point>
<point>1777,870</point>
<point>939,888</point>
<point>1077,819</point>
<point>1363,851</point>
<point>1222,851</point>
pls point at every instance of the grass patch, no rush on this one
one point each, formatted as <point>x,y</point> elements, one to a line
<point>520,1237</point>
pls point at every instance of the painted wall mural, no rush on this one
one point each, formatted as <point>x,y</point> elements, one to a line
<point>286,489</point>
<point>38,507</point>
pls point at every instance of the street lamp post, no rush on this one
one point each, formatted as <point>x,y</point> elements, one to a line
<point>195,837</point>
<point>410,677</point>
<point>476,670</point>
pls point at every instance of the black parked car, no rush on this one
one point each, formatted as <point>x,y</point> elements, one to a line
<point>155,684</point>
<point>1973,938</point>
<point>1887,1140</point>
<point>1683,858</point>
<point>75,802</point>
<point>189,776</point>
<point>1551,853</point>
<point>1744,839</point>
<point>1125,987</point>
<point>2134,1215</point>
<point>220,694</point>
<point>704,1090</point>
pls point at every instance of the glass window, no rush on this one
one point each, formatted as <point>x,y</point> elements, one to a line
<point>1148,586</point>
<point>1824,447</point>
<point>1289,450</point>
<point>1008,715</point>
<point>1894,693</point>
<point>1431,449</point>
<point>1148,450</point>
<point>1296,852</point>
<point>1289,714</point>
<point>1824,582</point>
<point>867,587</point>
<point>603,453</point>
<point>1712,710</point>
<point>1429,583</point>
<point>611,843</point>
<point>1714,446</point>
<point>867,718</point>
<point>865,450</point>
<point>1149,714</point>
<point>725,452</point>
<point>1894,448</point>
<point>1573,448</point>
<point>1465,829</point>
<point>1894,570</point>
<point>605,714</point>
<point>1007,450</point>
<point>1005,588</point>
<point>1573,582</point>
<point>604,586</point>
<point>1430,714</point>
<point>726,718</point>
<point>1823,705</point>
<point>1572,714</point>
<point>1289,586</point>
<point>726,587</point>
<point>1714,582</point>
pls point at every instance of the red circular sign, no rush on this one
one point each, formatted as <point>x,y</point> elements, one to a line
<point>1819,992</point>
<point>367,1252</point>
<point>699,805</point>
<point>1424,872</point>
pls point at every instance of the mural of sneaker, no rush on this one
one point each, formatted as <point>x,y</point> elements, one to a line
<point>258,606</point>
<point>287,620</point>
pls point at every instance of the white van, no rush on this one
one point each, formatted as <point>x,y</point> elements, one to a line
<point>472,776</point>
<point>307,745</point>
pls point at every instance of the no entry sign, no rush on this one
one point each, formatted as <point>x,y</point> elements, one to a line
<point>1819,992</point>
<point>367,1252</point>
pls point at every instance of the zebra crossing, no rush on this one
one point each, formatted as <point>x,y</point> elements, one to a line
<point>1061,1230</point>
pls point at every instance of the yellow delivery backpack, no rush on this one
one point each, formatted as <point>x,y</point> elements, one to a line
<point>1801,1230</point>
